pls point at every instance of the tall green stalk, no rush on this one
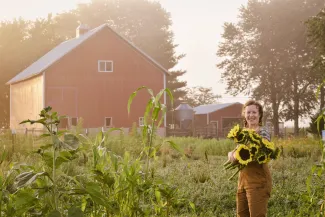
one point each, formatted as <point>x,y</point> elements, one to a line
<point>149,148</point>
<point>54,180</point>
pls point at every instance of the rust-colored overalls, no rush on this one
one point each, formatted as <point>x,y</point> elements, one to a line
<point>254,189</point>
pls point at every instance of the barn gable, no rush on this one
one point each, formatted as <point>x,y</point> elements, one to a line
<point>66,47</point>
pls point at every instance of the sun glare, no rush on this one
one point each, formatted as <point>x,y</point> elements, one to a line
<point>33,9</point>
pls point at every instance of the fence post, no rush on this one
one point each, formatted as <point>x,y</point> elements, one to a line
<point>86,131</point>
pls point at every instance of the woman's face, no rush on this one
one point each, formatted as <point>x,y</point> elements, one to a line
<point>252,115</point>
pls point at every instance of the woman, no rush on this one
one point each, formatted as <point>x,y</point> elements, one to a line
<point>255,182</point>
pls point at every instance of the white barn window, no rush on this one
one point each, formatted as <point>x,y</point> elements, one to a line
<point>105,66</point>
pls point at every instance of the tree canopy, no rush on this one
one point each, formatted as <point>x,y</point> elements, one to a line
<point>266,55</point>
<point>145,23</point>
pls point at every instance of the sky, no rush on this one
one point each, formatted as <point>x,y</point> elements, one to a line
<point>197,27</point>
<point>201,20</point>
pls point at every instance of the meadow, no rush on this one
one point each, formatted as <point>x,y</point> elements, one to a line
<point>105,176</point>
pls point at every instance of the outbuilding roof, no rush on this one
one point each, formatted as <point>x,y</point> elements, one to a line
<point>206,109</point>
<point>64,48</point>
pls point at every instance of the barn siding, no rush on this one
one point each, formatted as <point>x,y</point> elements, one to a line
<point>26,102</point>
<point>74,87</point>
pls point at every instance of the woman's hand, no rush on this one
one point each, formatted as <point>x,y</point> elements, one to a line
<point>231,157</point>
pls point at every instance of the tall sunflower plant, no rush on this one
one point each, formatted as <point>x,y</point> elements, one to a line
<point>251,147</point>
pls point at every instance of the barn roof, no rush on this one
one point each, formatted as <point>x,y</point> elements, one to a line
<point>206,109</point>
<point>64,48</point>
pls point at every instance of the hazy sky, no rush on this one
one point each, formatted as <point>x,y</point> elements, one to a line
<point>197,26</point>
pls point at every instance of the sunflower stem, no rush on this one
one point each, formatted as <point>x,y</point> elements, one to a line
<point>230,166</point>
<point>227,162</point>
<point>233,175</point>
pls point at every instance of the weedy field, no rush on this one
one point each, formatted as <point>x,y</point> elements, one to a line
<point>63,173</point>
<point>106,177</point>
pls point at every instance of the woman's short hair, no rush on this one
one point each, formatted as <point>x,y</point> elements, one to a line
<point>260,111</point>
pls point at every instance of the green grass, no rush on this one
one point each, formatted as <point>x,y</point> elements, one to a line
<point>199,174</point>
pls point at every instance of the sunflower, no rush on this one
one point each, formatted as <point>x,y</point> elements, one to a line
<point>233,132</point>
<point>240,138</point>
<point>254,149</point>
<point>275,154</point>
<point>243,154</point>
<point>255,137</point>
<point>263,159</point>
<point>268,144</point>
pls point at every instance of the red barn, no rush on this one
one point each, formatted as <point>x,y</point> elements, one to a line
<point>223,116</point>
<point>89,77</point>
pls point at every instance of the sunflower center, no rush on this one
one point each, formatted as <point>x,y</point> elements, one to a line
<point>262,158</point>
<point>253,150</point>
<point>244,154</point>
<point>240,137</point>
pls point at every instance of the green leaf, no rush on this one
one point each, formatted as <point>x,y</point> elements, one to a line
<point>155,113</point>
<point>27,178</point>
<point>75,212</point>
<point>44,135</point>
<point>71,142</point>
<point>3,156</point>
<point>167,90</point>
<point>132,97</point>
<point>192,205</point>
<point>114,129</point>
<point>144,132</point>
<point>308,181</point>
<point>164,110</point>
<point>84,203</point>
<point>174,146</point>
<point>57,142</point>
<point>55,213</point>
<point>146,113</point>
<point>94,191</point>
<point>158,196</point>
<point>47,157</point>
<point>61,132</point>
<point>319,118</point>
<point>45,147</point>
<point>25,121</point>
<point>150,92</point>
<point>25,198</point>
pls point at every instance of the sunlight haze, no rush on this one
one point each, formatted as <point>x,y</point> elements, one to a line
<point>197,26</point>
<point>201,20</point>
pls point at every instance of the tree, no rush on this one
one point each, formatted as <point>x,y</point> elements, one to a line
<point>145,23</point>
<point>313,128</point>
<point>199,95</point>
<point>12,43</point>
<point>265,56</point>
<point>316,35</point>
<point>21,43</point>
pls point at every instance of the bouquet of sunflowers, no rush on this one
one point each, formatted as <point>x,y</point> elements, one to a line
<point>251,147</point>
